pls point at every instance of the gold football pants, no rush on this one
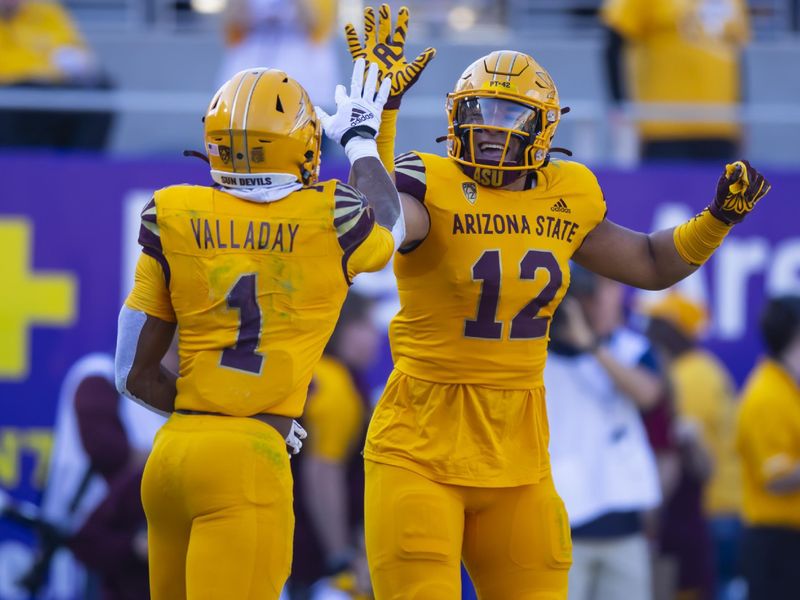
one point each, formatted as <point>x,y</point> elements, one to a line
<point>217,492</point>
<point>515,542</point>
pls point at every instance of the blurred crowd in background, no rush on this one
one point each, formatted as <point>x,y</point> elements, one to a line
<point>663,79</point>
<point>679,482</point>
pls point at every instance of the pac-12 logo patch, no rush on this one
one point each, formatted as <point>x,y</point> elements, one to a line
<point>470,191</point>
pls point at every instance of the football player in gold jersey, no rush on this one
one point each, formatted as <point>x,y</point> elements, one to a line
<point>253,272</point>
<point>457,465</point>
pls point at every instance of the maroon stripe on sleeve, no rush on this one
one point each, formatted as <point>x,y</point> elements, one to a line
<point>410,185</point>
<point>151,242</point>
<point>162,260</point>
<point>407,157</point>
<point>356,202</point>
<point>148,239</point>
<point>151,204</point>
<point>346,191</point>
<point>359,232</point>
<point>405,165</point>
<point>339,221</point>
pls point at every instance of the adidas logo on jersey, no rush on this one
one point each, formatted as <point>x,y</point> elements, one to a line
<point>560,206</point>
<point>359,115</point>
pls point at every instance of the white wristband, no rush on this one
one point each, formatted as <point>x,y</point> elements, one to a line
<point>360,147</point>
<point>399,229</point>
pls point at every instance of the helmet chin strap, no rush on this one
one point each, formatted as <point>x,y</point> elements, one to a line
<point>196,154</point>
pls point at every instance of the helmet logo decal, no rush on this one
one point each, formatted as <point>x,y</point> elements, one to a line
<point>470,191</point>
<point>257,154</point>
<point>225,154</point>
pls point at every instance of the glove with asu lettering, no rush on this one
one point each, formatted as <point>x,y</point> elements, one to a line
<point>387,49</point>
<point>738,191</point>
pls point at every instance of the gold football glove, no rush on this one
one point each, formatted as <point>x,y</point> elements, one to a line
<point>387,49</point>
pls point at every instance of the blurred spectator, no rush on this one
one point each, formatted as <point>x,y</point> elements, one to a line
<point>41,48</point>
<point>99,441</point>
<point>768,440</point>
<point>292,35</point>
<point>683,58</point>
<point>599,376</point>
<point>329,473</point>
<point>353,584</point>
<point>704,398</point>
<point>113,540</point>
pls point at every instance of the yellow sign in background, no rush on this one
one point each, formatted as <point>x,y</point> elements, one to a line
<point>27,298</point>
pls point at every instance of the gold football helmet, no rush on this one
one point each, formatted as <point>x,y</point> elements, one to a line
<point>261,129</point>
<point>512,102</point>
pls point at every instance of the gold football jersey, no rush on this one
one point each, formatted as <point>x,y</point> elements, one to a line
<point>478,292</point>
<point>683,52</point>
<point>256,288</point>
<point>768,442</point>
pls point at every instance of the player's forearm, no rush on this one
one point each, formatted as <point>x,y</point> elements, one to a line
<point>657,265</point>
<point>370,177</point>
<point>645,261</point>
<point>142,341</point>
<point>325,494</point>
<point>155,387</point>
<point>668,268</point>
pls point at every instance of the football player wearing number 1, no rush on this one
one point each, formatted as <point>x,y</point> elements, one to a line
<point>253,271</point>
<point>457,465</point>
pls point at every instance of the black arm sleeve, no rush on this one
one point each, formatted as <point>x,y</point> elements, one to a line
<point>614,67</point>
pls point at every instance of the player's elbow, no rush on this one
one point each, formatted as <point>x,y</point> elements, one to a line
<point>656,284</point>
<point>121,380</point>
<point>128,380</point>
<point>657,278</point>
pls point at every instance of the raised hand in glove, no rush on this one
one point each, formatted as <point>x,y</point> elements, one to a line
<point>387,49</point>
<point>357,114</point>
<point>738,190</point>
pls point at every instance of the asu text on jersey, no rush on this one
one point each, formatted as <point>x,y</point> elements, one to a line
<point>465,404</point>
<point>255,288</point>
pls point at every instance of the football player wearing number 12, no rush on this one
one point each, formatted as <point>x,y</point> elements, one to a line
<point>457,464</point>
<point>253,271</point>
